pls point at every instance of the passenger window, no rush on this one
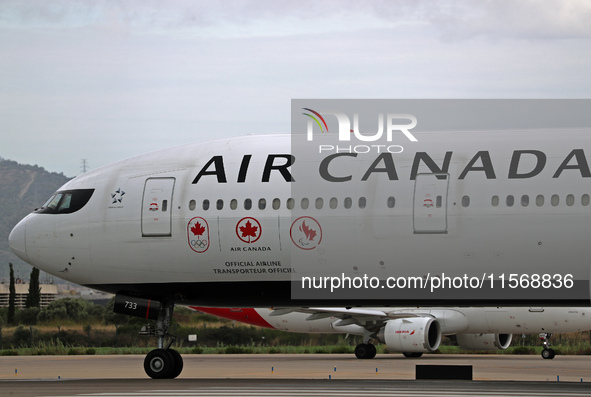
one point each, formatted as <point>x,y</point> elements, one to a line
<point>585,200</point>
<point>334,202</point>
<point>495,201</point>
<point>539,200</point>
<point>262,204</point>
<point>348,202</point>
<point>234,204</point>
<point>555,200</point>
<point>362,202</point>
<point>276,203</point>
<point>192,205</point>
<point>510,201</point>
<point>305,203</point>
<point>219,204</point>
<point>247,204</point>
<point>465,201</point>
<point>524,200</point>
<point>319,203</point>
<point>205,205</point>
<point>570,200</point>
<point>391,202</point>
<point>290,203</point>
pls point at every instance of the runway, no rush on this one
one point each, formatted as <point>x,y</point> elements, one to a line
<point>292,375</point>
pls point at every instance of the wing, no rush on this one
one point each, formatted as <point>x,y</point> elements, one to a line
<point>370,319</point>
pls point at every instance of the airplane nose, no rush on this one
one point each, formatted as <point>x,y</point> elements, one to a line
<point>16,240</point>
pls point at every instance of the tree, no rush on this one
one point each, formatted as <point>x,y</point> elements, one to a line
<point>66,309</point>
<point>114,318</point>
<point>34,296</point>
<point>11,297</point>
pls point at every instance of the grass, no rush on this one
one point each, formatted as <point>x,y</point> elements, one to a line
<point>58,348</point>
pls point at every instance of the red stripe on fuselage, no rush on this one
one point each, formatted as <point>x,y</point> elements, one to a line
<point>244,315</point>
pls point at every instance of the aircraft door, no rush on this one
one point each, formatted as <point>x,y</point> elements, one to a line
<point>157,207</point>
<point>430,203</point>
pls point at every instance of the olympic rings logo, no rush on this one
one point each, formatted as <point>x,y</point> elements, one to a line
<point>199,243</point>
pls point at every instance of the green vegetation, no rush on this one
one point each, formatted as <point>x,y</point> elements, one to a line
<point>77,327</point>
<point>11,297</point>
<point>34,295</point>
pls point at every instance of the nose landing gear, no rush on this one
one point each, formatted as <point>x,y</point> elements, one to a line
<point>164,362</point>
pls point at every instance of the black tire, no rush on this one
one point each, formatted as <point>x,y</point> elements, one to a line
<point>548,354</point>
<point>178,363</point>
<point>159,364</point>
<point>361,350</point>
<point>412,355</point>
<point>372,351</point>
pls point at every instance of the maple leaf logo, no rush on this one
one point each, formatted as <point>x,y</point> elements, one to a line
<point>197,229</point>
<point>310,234</point>
<point>248,230</point>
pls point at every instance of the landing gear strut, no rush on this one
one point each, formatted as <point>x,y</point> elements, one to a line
<point>164,362</point>
<point>547,353</point>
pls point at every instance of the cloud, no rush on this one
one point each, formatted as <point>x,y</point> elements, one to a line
<point>454,20</point>
<point>524,19</point>
<point>105,80</point>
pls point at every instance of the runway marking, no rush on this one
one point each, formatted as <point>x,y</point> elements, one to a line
<point>241,392</point>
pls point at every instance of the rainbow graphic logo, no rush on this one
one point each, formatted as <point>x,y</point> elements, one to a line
<point>316,119</point>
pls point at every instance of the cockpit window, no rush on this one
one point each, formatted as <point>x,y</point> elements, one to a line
<point>66,202</point>
<point>53,202</point>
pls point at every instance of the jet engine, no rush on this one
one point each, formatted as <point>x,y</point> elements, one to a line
<point>411,335</point>
<point>484,341</point>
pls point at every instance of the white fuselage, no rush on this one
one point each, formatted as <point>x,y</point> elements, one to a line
<point>453,320</point>
<point>220,223</point>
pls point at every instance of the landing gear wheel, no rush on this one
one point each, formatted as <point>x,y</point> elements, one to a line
<point>365,351</point>
<point>412,355</point>
<point>159,364</point>
<point>372,351</point>
<point>361,351</point>
<point>548,354</point>
<point>178,363</point>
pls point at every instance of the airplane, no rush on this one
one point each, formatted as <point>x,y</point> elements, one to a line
<point>471,328</point>
<point>488,218</point>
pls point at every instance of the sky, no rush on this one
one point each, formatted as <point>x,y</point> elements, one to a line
<point>107,80</point>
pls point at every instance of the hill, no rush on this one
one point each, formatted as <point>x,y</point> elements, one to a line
<point>22,189</point>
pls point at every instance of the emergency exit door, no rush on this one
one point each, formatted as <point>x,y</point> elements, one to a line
<point>157,207</point>
<point>430,203</point>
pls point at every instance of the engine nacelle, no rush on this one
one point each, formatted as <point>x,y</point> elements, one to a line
<point>484,341</point>
<point>412,335</point>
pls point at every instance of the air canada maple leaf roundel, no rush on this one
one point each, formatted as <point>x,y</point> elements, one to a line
<point>248,230</point>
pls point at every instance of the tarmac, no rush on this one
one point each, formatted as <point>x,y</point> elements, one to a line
<point>292,375</point>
